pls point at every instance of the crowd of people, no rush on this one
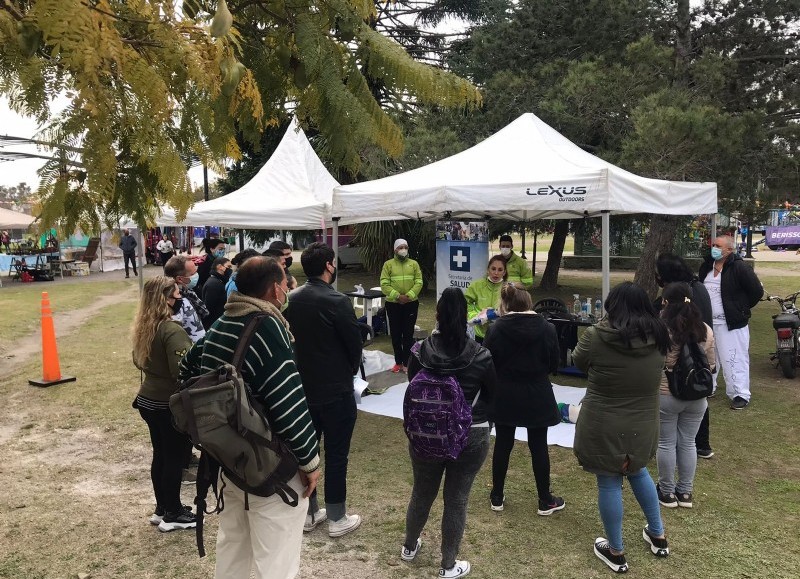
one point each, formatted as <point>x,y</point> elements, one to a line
<point>308,347</point>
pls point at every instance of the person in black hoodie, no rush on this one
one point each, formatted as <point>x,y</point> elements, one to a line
<point>524,348</point>
<point>449,351</point>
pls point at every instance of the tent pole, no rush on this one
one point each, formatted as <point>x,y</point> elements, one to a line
<point>241,240</point>
<point>533,263</point>
<point>336,249</point>
<point>140,243</point>
<point>524,223</point>
<point>606,260</point>
<point>713,226</point>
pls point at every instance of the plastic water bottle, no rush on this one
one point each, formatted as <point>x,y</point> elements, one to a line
<point>598,309</point>
<point>576,304</point>
<point>585,308</point>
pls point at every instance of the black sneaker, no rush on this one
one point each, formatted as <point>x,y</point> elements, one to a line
<point>177,521</point>
<point>739,403</point>
<point>668,500</point>
<point>497,503</point>
<point>549,507</point>
<point>617,563</point>
<point>658,547</point>
<point>684,500</point>
<point>189,477</point>
<point>705,453</point>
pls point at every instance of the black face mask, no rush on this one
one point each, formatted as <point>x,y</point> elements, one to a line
<point>176,307</point>
<point>287,261</point>
<point>333,275</point>
<point>227,274</point>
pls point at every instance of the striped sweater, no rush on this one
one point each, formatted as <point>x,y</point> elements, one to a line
<point>268,369</point>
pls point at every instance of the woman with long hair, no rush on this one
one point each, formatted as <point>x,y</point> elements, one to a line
<point>617,431</point>
<point>524,349</point>
<point>680,419</point>
<point>484,294</point>
<point>448,351</point>
<point>159,343</point>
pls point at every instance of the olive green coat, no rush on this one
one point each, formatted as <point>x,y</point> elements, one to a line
<point>619,416</point>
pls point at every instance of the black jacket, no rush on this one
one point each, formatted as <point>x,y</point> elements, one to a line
<point>525,350</point>
<point>214,297</point>
<point>473,368</point>
<point>327,336</point>
<point>740,288</point>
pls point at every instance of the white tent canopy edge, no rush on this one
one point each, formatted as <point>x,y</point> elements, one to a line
<point>525,171</point>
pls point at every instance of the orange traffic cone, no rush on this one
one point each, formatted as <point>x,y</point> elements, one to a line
<point>51,370</point>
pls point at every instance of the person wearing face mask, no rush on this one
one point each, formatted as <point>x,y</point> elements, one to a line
<point>212,249</point>
<point>328,354</point>
<point>519,273</point>
<point>262,535</point>
<point>484,294</point>
<point>401,281</point>
<point>192,310</point>
<point>734,289</point>
<point>286,254</point>
<point>214,296</point>
<point>159,343</point>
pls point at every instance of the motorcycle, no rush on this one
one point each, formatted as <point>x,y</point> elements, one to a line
<point>787,329</point>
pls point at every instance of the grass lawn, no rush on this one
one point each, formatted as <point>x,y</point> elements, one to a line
<point>77,489</point>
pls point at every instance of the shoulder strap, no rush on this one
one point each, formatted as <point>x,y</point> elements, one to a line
<point>244,340</point>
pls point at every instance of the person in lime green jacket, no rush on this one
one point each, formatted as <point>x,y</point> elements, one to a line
<point>401,281</point>
<point>484,294</point>
<point>519,273</point>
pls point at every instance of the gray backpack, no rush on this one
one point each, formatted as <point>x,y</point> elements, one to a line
<point>220,415</point>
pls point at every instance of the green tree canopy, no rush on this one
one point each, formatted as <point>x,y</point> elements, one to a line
<point>151,84</point>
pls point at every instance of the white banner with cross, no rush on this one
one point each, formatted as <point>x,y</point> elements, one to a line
<point>462,253</point>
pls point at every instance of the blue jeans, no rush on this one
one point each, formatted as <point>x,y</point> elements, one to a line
<point>609,501</point>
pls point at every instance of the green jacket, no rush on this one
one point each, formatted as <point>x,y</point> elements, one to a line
<point>170,343</point>
<point>401,277</point>
<point>482,294</point>
<point>619,417</point>
<point>519,271</point>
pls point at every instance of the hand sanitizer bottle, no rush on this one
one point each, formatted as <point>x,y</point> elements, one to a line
<point>576,304</point>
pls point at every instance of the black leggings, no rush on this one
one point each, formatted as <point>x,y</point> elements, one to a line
<point>540,457</point>
<point>169,450</point>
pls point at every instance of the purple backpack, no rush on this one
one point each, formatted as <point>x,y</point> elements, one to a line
<point>436,416</point>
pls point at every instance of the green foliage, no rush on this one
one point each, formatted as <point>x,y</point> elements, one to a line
<point>149,87</point>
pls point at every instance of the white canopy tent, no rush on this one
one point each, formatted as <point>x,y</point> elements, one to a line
<point>291,191</point>
<point>14,219</point>
<point>525,171</point>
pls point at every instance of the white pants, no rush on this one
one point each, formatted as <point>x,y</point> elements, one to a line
<point>733,359</point>
<point>267,537</point>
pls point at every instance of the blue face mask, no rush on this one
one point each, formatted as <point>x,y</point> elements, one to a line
<point>219,253</point>
<point>716,253</point>
<point>193,280</point>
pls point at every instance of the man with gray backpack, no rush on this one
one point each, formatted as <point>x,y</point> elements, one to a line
<point>255,531</point>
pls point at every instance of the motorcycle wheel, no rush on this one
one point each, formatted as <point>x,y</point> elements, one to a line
<point>785,360</point>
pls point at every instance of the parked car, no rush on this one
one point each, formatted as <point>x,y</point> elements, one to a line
<point>349,255</point>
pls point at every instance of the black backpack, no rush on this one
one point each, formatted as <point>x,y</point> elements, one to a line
<point>690,378</point>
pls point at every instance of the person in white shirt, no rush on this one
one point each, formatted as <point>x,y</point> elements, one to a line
<point>166,249</point>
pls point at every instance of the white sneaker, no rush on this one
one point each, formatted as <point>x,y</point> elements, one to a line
<point>346,524</point>
<point>313,520</point>
<point>407,554</point>
<point>460,569</point>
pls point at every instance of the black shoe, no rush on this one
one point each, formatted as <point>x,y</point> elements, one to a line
<point>684,500</point>
<point>739,403</point>
<point>705,453</point>
<point>617,563</point>
<point>549,507</point>
<point>127,276</point>
<point>497,503</point>
<point>668,500</point>
<point>136,273</point>
<point>658,547</point>
<point>176,521</point>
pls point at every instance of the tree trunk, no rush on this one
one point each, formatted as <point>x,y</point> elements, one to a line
<point>550,275</point>
<point>683,43</point>
<point>660,239</point>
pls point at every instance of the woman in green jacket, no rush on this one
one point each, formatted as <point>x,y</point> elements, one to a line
<point>159,343</point>
<point>617,432</point>
<point>483,295</point>
<point>401,282</point>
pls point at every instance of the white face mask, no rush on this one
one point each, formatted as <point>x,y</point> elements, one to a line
<point>505,251</point>
<point>402,252</point>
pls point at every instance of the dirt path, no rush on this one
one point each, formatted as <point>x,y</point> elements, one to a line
<point>65,323</point>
